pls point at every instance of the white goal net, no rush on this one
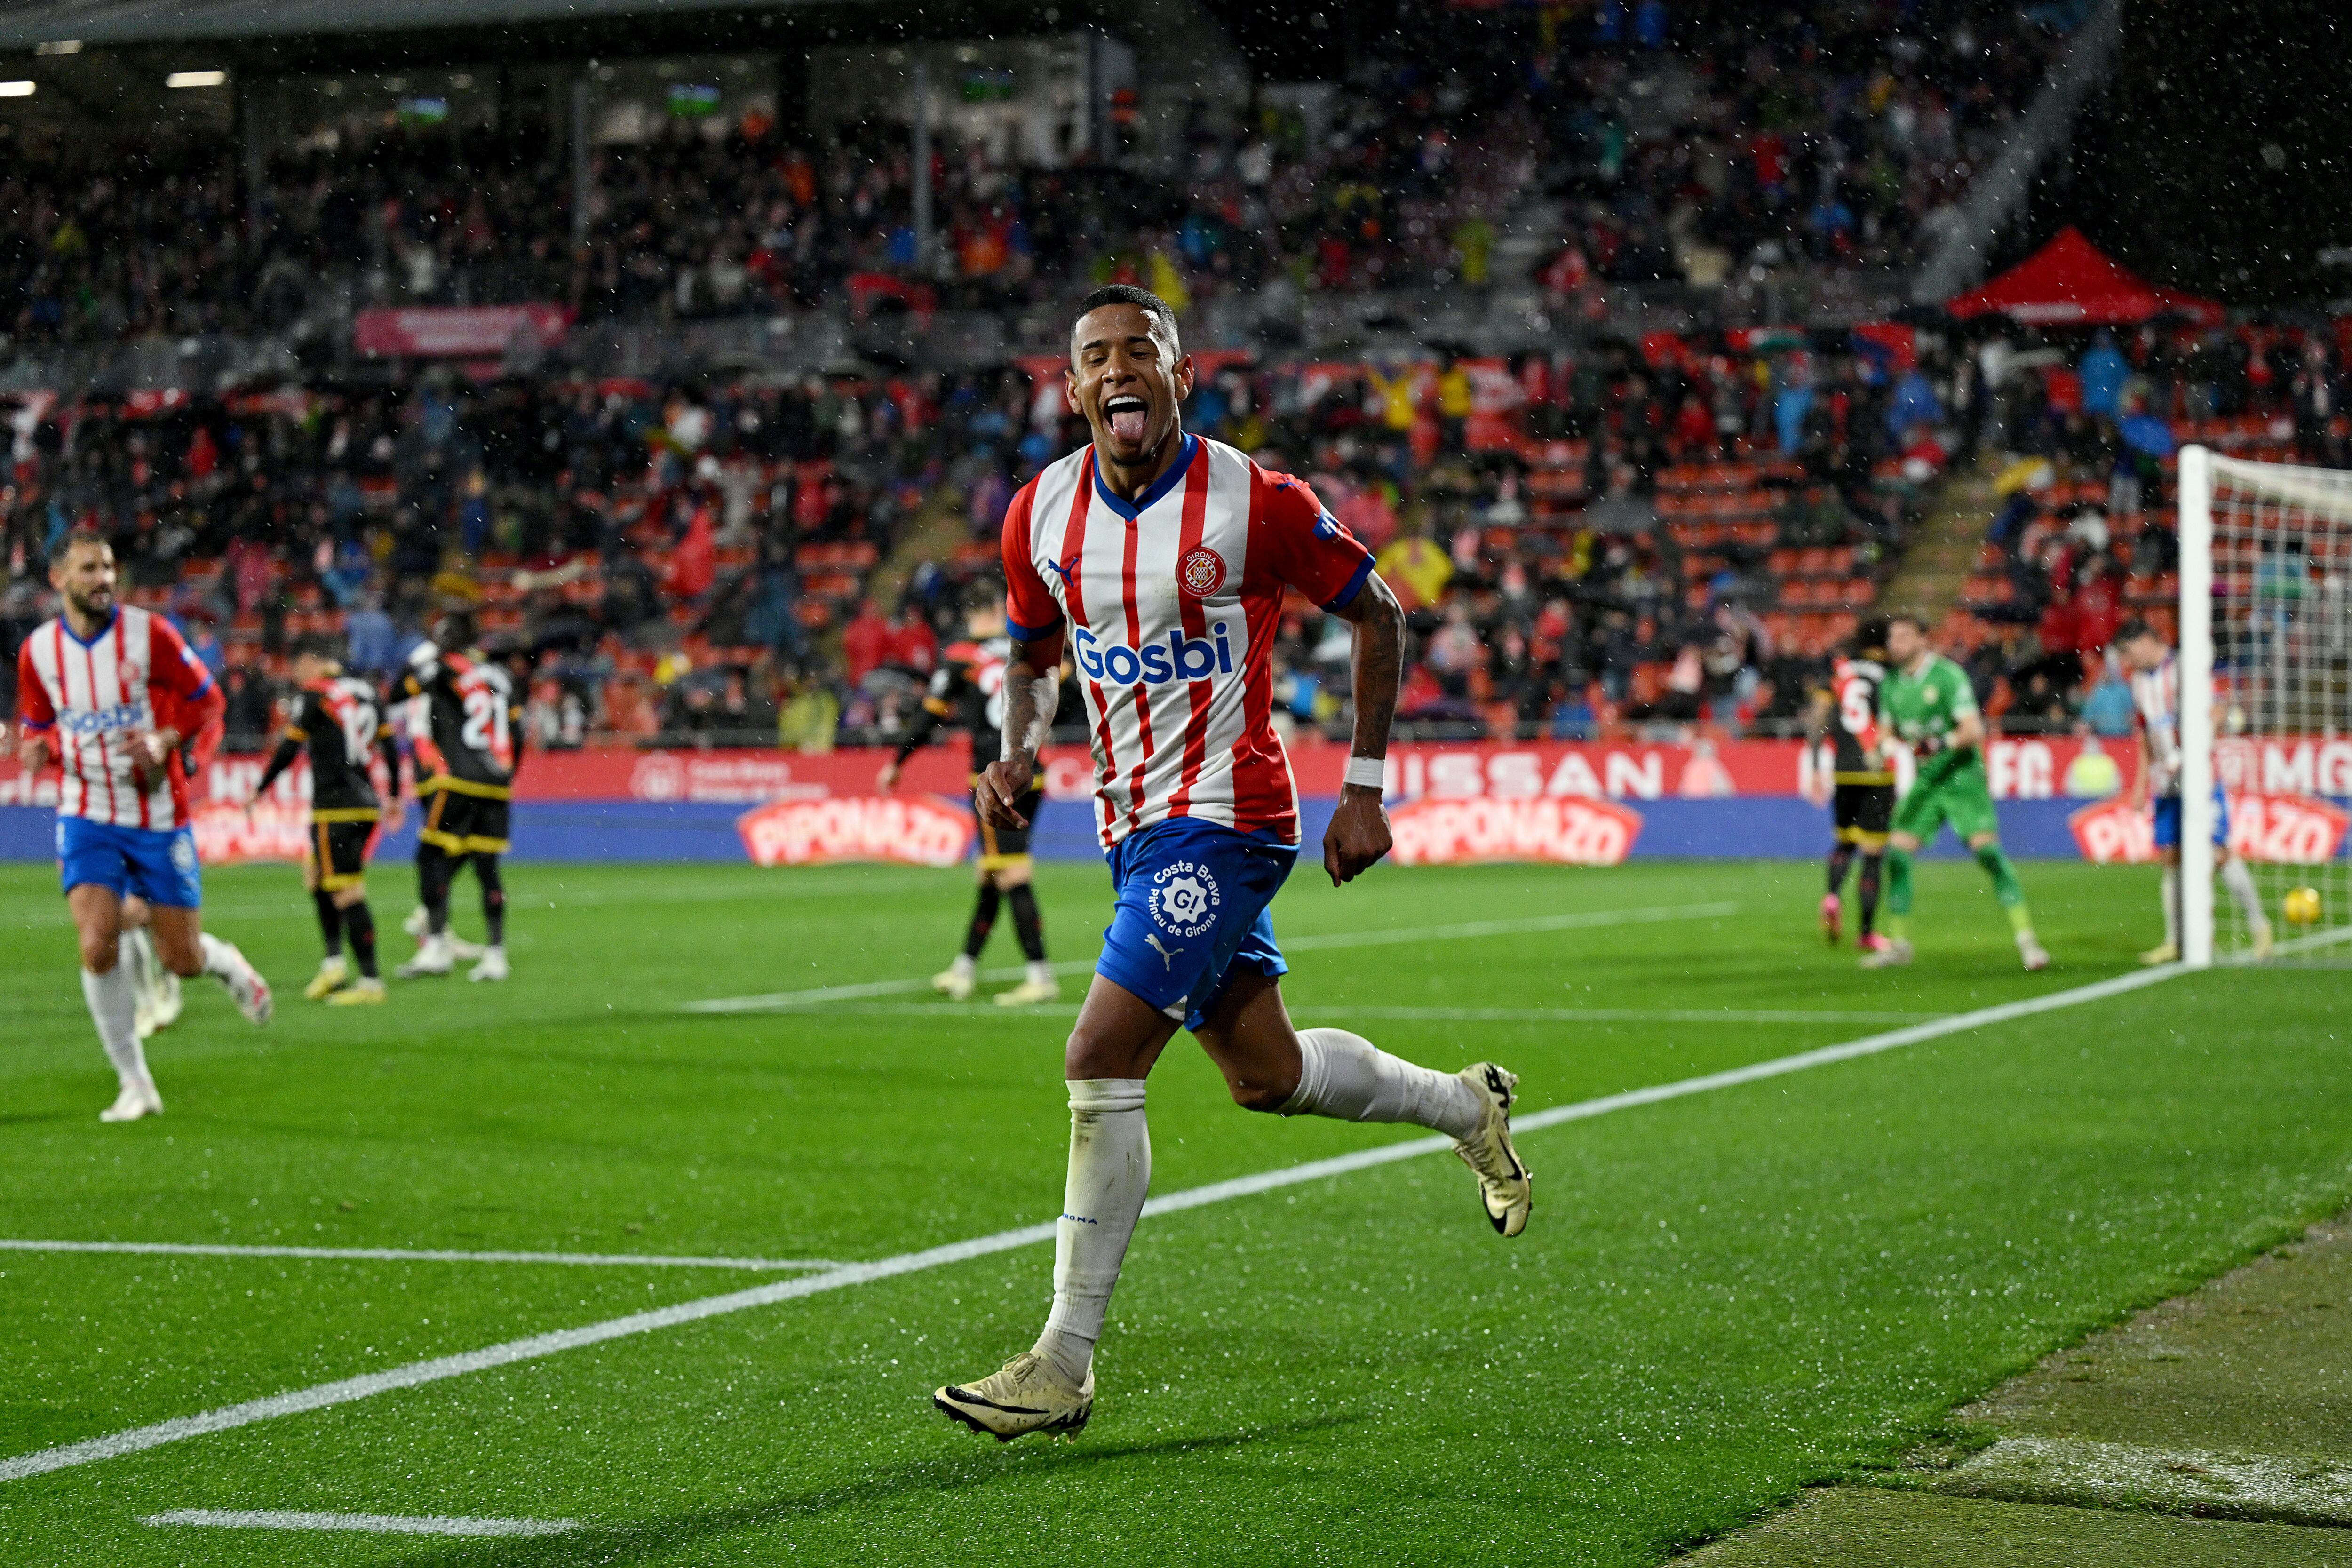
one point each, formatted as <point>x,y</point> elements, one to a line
<point>2266,703</point>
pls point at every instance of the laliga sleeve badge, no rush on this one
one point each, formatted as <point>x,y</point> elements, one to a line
<point>1201,572</point>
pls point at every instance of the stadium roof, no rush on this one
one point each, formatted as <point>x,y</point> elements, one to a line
<point>29,23</point>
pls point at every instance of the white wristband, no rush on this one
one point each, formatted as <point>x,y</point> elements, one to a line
<point>1371,772</point>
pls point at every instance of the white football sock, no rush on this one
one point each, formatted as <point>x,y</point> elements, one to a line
<point>2171,906</point>
<point>2240,883</point>
<point>965,965</point>
<point>1041,973</point>
<point>222,960</point>
<point>1348,1076</point>
<point>114,1008</point>
<point>1110,1171</point>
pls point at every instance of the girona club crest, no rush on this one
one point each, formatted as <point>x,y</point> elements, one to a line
<point>1201,572</point>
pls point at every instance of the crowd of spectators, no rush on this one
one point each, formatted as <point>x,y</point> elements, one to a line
<point>1833,138</point>
<point>2085,533</point>
<point>725,563</point>
<point>1680,148</point>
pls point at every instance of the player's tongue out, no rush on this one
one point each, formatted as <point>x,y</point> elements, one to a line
<point>1126,418</point>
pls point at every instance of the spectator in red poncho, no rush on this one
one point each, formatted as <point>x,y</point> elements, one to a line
<point>696,565</point>
<point>912,645</point>
<point>2098,607</point>
<point>865,643</point>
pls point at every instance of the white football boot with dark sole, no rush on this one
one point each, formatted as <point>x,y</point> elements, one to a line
<point>1027,1395</point>
<point>1504,1188</point>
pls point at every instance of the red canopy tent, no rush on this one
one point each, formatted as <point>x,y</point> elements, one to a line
<point>2071,281</point>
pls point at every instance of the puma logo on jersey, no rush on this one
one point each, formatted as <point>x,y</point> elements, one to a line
<point>1167,955</point>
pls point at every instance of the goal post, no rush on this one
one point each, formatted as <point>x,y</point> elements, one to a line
<point>2265,704</point>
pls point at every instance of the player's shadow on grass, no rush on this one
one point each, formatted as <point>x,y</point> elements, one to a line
<point>658,1538</point>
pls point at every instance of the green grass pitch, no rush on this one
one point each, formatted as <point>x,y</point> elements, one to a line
<point>1721,1299</point>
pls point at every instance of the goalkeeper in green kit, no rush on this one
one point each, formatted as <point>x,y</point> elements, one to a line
<point>1926,703</point>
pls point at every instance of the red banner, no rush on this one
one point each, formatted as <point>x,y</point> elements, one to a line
<point>914,830</point>
<point>2020,768</point>
<point>1569,832</point>
<point>2285,829</point>
<point>453,332</point>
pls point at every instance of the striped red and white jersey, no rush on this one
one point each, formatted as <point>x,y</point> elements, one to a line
<point>1173,604</point>
<point>2156,704</point>
<point>91,698</point>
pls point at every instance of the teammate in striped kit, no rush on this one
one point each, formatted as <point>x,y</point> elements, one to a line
<point>91,687</point>
<point>2156,702</point>
<point>1162,560</point>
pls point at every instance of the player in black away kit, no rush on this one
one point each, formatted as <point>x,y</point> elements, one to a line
<point>1864,781</point>
<point>339,720</point>
<point>968,692</point>
<point>467,747</point>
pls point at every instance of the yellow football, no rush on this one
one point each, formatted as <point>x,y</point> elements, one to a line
<point>2301,906</point>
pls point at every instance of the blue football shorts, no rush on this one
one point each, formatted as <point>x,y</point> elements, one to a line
<point>159,865</point>
<point>2168,820</point>
<point>1190,914</point>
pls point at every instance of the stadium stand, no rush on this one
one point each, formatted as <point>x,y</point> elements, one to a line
<point>2089,422</point>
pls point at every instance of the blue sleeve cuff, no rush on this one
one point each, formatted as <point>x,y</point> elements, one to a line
<point>32,728</point>
<point>200,690</point>
<point>1355,585</point>
<point>1031,634</point>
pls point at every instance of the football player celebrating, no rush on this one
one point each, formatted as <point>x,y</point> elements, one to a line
<point>967,691</point>
<point>337,718</point>
<point>89,684</point>
<point>1162,559</point>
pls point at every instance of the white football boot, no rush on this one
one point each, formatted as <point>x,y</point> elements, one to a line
<point>1504,1188</point>
<point>419,925</point>
<point>1893,955</point>
<point>2162,952</point>
<point>1026,1395</point>
<point>138,1098</point>
<point>2034,955</point>
<point>333,974</point>
<point>2264,944</point>
<point>955,983</point>
<point>432,958</point>
<point>249,991</point>
<point>493,965</point>
<point>165,1001</point>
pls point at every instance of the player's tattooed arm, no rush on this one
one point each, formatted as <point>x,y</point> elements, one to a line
<point>1033,691</point>
<point>1358,833</point>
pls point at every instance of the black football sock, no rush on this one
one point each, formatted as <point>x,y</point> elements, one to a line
<point>1026,923</point>
<point>433,886</point>
<point>361,922</point>
<point>330,921</point>
<point>983,919</point>
<point>494,898</point>
<point>1839,858</point>
<point>1869,890</point>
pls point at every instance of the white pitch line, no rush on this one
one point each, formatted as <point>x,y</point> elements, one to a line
<point>775,1001</point>
<point>985,1012</point>
<point>376,1524</point>
<point>343,1391</point>
<point>406,1255</point>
